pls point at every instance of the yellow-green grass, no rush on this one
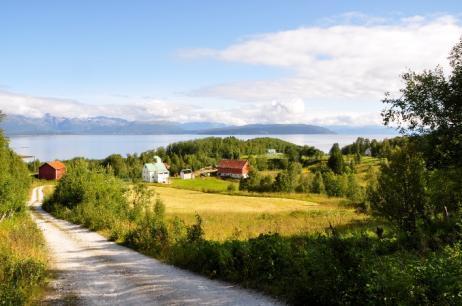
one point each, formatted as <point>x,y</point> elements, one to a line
<point>36,182</point>
<point>362,169</point>
<point>48,190</point>
<point>273,173</point>
<point>210,184</point>
<point>23,260</point>
<point>242,217</point>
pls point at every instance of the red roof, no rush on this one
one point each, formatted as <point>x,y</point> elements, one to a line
<point>56,164</point>
<point>232,164</point>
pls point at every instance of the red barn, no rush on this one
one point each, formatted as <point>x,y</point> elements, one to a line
<point>52,171</point>
<point>233,168</point>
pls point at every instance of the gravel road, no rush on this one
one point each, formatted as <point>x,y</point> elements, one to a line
<point>89,270</point>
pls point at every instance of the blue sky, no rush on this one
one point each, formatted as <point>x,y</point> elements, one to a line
<point>239,61</point>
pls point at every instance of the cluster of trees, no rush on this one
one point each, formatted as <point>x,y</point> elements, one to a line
<point>323,181</point>
<point>419,190</point>
<point>199,153</point>
<point>14,180</point>
<point>381,149</point>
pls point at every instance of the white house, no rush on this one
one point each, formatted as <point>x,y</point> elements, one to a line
<point>186,174</point>
<point>271,151</point>
<point>368,152</point>
<point>155,172</point>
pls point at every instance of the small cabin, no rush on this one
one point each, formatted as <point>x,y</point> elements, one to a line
<point>271,151</point>
<point>155,172</point>
<point>186,174</point>
<point>52,170</point>
<point>233,168</point>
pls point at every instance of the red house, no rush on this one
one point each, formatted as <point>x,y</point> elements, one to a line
<point>52,171</point>
<point>233,168</point>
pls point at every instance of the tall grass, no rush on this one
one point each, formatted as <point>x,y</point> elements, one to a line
<point>23,260</point>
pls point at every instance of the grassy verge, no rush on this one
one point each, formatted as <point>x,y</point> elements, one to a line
<point>23,260</point>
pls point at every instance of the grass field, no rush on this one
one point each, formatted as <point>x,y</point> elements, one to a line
<point>209,184</point>
<point>242,217</point>
<point>363,168</point>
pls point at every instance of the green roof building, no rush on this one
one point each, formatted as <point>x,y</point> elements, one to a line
<point>155,172</point>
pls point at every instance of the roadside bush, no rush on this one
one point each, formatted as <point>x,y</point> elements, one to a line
<point>95,197</point>
<point>329,270</point>
<point>14,181</point>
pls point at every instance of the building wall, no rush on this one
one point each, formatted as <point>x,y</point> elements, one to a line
<point>161,178</point>
<point>233,175</point>
<point>233,172</point>
<point>153,177</point>
<point>147,176</point>
<point>186,176</point>
<point>47,172</point>
<point>60,173</point>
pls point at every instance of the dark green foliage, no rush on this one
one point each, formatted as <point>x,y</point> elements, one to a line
<point>329,270</point>
<point>333,184</point>
<point>95,196</point>
<point>19,277</point>
<point>317,186</point>
<point>14,181</point>
<point>33,166</point>
<point>420,190</point>
<point>117,164</point>
<point>430,105</point>
<point>150,235</point>
<point>199,153</point>
<point>335,162</point>
<point>140,196</point>
<point>262,163</point>
<point>400,195</point>
<point>195,231</point>
<point>286,181</point>
<point>377,148</point>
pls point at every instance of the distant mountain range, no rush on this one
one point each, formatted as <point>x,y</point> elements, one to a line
<point>48,125</point>
<point>21,125</point>
<point>267,129</point>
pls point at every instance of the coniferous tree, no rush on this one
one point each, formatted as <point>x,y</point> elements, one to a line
<point>335,162</point>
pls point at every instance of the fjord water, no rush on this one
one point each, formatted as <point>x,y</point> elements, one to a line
<point>49,147</point>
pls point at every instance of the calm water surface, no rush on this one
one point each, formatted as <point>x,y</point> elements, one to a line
<point>49,147</point>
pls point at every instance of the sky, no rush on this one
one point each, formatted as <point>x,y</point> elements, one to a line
<point>233,62</point>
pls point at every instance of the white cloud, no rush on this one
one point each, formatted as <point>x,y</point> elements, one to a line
<point>150,109</point>
<point>346,62</point>
<point>139,109</point>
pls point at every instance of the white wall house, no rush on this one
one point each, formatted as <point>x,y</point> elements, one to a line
<point>155,172</point>
<point>368,152</point>
<point>186,174</point>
